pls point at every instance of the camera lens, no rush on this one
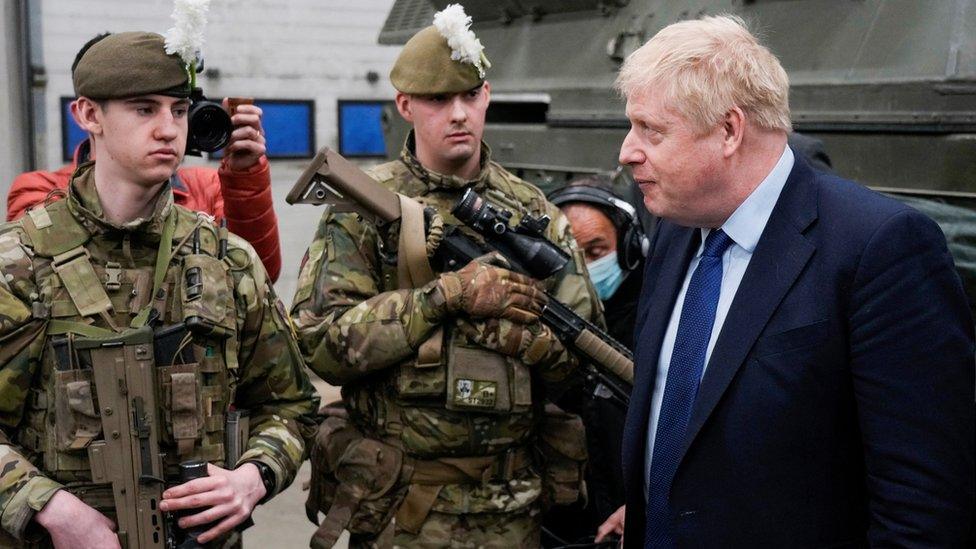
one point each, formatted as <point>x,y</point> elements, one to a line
<point>209,126</point>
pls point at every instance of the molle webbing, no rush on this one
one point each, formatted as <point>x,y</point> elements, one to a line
<point>54,232</point>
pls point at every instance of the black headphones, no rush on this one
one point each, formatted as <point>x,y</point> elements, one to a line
<point>632,244</point>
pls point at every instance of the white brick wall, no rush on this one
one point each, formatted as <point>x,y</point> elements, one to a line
<point>275,49</point>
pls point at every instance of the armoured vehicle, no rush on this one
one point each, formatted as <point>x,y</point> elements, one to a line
<point>889,86</point>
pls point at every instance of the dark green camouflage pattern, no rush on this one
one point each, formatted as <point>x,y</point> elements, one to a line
<point>358,330</point>
<point>534,345</point>
<point>475,531</point>
<point>251,361</point>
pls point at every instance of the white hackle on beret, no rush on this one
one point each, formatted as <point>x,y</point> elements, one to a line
<point>186,36</point>
<point>454,25</point>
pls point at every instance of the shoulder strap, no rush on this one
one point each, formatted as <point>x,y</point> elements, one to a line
<point>62,327</point>
<point>413,268</point>
<point>163,257</point>
<point>52,230</point>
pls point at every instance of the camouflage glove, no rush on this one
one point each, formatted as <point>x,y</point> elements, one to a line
<point>533,344</point>
<point>483,290</point>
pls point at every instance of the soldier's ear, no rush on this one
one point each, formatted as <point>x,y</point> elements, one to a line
<point>87,114</point>
<point>404,107</point>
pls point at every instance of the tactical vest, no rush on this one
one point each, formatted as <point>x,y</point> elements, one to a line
<point>194,344</point>
<point>454,398</point>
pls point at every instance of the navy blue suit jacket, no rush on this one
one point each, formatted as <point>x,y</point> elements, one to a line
<point>837,408</point>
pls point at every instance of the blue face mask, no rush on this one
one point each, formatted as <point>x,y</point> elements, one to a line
<point>606,275</point>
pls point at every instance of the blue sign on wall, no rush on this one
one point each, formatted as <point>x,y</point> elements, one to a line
<point>289,128</point>
<point>361,128</point>
<point>71,133</point>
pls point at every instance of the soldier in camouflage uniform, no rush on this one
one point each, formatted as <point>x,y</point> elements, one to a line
<point>442,384</point>
<point>117,254</point>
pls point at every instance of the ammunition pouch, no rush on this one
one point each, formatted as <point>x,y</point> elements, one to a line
<point>485,381</point>
<point>473,379</point>
<point>561,451</point>
<point>180,386</point>
<point>356,481</point>
<point>361,483</point>
<point>206,297</point>
<point>193,393</point>
<point>416,380</point>
<point>76,420</point>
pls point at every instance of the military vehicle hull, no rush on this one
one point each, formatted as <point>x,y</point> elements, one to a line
<point>889,86</point>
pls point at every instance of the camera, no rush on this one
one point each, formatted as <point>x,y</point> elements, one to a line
<point>209,125</point>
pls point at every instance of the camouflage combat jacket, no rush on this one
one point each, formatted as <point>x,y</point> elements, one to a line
<point>358,330</point>
<point>250,363</point>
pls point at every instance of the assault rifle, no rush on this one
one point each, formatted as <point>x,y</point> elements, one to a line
<point>128,459</point>
<point>332,180</point>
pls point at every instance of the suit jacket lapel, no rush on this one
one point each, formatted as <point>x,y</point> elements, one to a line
<point>779,258</point>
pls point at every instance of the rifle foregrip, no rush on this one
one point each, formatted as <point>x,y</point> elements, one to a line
<point>603,353</point>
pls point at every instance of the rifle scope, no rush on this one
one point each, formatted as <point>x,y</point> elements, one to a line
<point>525,245</point>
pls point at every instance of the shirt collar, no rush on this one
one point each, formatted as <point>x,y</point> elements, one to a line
<point>85,205</point>
<point>436,181</point>
<point>747,222</point>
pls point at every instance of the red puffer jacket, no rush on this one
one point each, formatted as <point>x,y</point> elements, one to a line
<point>244,198</point>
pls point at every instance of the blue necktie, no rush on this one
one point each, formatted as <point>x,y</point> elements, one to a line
<point>684,375</point>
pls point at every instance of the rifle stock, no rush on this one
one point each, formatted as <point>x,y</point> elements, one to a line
<point>331,179</point>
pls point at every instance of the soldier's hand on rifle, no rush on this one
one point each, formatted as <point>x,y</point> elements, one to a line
<point>531,343</point>
<point>72,523</point>
<point>224,496</point>
<point>484,290</point>
<point>247,143</point>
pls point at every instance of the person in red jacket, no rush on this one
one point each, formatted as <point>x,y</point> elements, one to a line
<point>239,191</point>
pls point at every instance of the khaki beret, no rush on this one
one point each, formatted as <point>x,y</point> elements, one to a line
<point>425,67</point>
<point>129,64</point>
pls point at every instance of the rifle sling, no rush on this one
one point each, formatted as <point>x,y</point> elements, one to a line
<point>413,268</point>
<point>163,257</point>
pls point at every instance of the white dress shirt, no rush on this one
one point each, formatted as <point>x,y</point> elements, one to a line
<point>744,227</point>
